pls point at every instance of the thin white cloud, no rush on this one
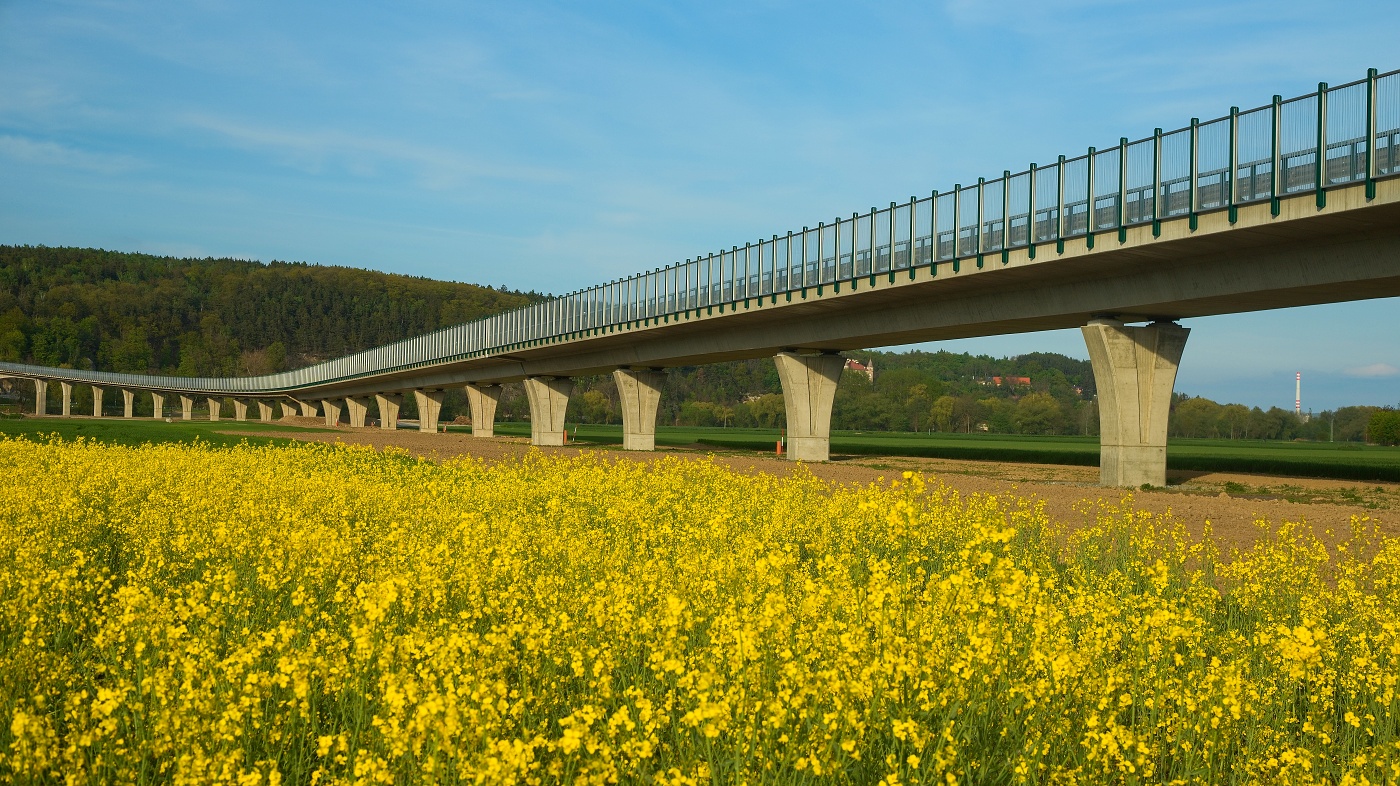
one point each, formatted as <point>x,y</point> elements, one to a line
<point>437,168</point>
<point>55,154</point>
<point>1374,370</point>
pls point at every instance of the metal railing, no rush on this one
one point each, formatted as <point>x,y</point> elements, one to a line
<point>1336,136</point>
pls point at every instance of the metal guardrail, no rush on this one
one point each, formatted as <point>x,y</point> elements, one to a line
<point>1336,136</point>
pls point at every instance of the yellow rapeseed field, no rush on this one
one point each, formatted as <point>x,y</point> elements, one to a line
<point>315,614</point>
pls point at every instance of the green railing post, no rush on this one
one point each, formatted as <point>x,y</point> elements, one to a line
<point>1060,207</point>
<point>957,226</point>
<point>1030,213</point>
<point>1005,216</point>
<point>1156,182</point>
<point>933,235</point>
<point>1371,133</point>
<point>1089,218</point>
<point>913,235</point>
<point>981,216</point>
<point>1273,169</point>
<point>1234,163</point>
<point>1122,189</point>
<point>1321,145</point>
<point>1194,173</point>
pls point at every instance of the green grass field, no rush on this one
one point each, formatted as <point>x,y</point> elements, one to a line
<point>1345,460</point>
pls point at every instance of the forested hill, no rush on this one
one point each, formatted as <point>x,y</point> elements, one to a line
<point>88,308</point>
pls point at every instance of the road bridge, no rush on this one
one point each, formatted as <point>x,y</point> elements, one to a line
<point>1290,204</point>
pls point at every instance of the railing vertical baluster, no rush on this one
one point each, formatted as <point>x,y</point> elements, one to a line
<point>873,216</point>
<point>1273,169</point>
<point>981,216</point>
<point>1321,145</point>
<point>957,226</point>
<point>933,234</point>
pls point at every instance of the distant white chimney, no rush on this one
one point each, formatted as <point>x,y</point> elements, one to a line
<point>1298,396</point>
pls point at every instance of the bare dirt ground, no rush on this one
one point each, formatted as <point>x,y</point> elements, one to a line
<point>1232,503</point>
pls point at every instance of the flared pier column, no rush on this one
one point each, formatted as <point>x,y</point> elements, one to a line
<point>264,411</point>
<point>289,410</point>
<point>331,408</point>
<point>41,397</point>
<point>483,400</point>
<point>157,405</point>
<point>388,404</point>
<point>128,403</point>
<point>308,408</point>
<point>215,404</point>
<point>809,388</point>
<point>67,389</point>
<point>1134,371</point>
<point>186,408</point>
<point>639,393</point>
<point>240,410</point>
<point>357,407</point>
<point>96,401</point>
<point>429,407</point>
<point>549,400</point>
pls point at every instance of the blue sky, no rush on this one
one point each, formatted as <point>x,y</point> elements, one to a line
<point>549,146</point>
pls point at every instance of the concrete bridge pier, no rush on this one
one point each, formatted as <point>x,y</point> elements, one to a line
<point>640,394</point>
<point>1134,370</point>
<point>483,400</point>
<point>332,411</point>
<point>809,389</point>
<point>308,408</point>
<point>357,407</point>
<point>240,409</point>
<point>264,411</point>
<point>96,401</point>
<point>41,396</point>
<point>549,400</point>
<point>128,403</point>
<point>429,408</point>
<point>186,408</point>
<point>388,404</point>
<point>289,410</point>
<point>214,406</point>
<point>67,398</point>
<point>157,405</point>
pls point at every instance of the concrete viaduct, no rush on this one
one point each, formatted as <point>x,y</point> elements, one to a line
<point>1290,204</point>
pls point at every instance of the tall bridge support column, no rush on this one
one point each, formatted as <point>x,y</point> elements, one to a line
<point>809,389</point>
<point>128,403</point>
<point>67,398</point>
<point>388,404</point>
<point>41,396</point>
<point>186,408</point>
<point>240,410</point>
<point>357,407</point>
<point>308,408</point>
<point>640,394</point>
<point>429,407</point>
<point>157,405</point>
<point>96,401</point>
<point>1134,370</point>
<point>288,410</point>
<point>215,405</point>
<point>332,412</point>
<point>483,400</point>
<point>264,411</point>
<point>549,400</point>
